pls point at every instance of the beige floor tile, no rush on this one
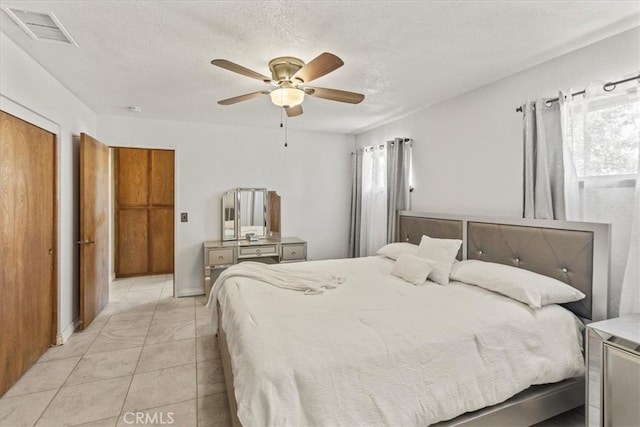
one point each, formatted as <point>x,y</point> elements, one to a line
<point>158,388</point>
<point>167,291</point>
<point>108,422</point>
<point>183,414</point>
<point>159,333</point>
<point>210,378</point>
<point>118,295</point>
<point>145,294</point>
<point>169,317</point>
<point>128,321</point>
<point>24,410</point>
<point>83,403</point>
<point>95,326</point>
<point>120,285</point>
<point>207,348</point>
<point>109,309</point>
<point>145,281</point>
<point>43,376</point>
<point>166,355</point>
<point>213,411</point>
<point>118,340</point>
<point>203,328</point>
<point>101,366</point>
<point>202,312</point>
<point>76,345</point>
<point>143,286</point>
<point>169,302</point>
<point>132,307</point>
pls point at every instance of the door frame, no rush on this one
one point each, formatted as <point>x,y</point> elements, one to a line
<point>112,205</point>
<point>38,120</point>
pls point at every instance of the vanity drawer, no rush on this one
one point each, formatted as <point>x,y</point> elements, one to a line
<point>220,256</point>
<point>257,251</point>
<point>294,252</point>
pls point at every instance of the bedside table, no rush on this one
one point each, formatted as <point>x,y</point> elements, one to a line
<point>613,372</point>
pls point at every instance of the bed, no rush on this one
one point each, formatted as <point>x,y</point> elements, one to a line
<point>379,351</point>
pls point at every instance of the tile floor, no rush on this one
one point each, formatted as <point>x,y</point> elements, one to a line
<point>146,355</point>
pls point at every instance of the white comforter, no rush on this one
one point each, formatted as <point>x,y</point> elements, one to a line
<point>380,351</point>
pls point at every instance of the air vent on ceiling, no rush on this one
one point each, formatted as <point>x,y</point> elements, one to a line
<point>41,26</point>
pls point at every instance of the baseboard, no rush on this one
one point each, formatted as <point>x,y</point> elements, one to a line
<point>189,292</point>
<point>68,331</point>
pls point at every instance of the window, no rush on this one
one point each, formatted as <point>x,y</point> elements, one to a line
<point>606,139</point>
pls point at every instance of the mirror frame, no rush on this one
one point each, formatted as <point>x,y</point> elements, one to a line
<point>271,202</point>
<point>234,195</point>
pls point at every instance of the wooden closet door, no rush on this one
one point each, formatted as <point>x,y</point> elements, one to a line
<point>28,294</point>
<point>161,211</point>
<point>144,211</point>
<point>132,217</point>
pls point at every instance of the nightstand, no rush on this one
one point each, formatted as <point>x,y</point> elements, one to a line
<point>613,372</point>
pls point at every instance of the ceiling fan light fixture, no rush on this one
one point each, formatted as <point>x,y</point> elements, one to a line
<point>287,96</point>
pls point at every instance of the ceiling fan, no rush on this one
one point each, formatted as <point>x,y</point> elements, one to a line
<point>288,75</point>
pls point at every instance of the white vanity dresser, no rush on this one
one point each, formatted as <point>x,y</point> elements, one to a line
<point>250,213</point>
<point>613,369</point>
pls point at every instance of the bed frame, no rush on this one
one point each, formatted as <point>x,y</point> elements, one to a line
<point>576,253</point>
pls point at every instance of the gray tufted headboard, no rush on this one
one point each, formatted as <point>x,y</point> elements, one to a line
<point>576,253</point>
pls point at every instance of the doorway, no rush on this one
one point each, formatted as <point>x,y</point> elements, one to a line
<point>143,211</point>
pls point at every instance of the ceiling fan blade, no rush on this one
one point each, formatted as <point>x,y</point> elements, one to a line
<point>228,65</point>
<point>318,67</point>
<point>244,97</point>
<point>294,111</point>
<point>335,94</point>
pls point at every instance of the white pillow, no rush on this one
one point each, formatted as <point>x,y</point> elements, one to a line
<point>394,250</point>
<point>412,268</point>
<point>443,252</point>
<point>525,286</point>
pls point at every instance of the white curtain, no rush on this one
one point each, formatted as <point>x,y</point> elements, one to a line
<point>374,200</point>
<point>630,294</point>
<point>379,188</point>
<point>601,139</point>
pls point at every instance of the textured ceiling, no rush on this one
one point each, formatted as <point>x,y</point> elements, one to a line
<point>403,55</point>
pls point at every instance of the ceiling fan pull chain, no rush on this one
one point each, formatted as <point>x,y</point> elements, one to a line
<point>286,129</point>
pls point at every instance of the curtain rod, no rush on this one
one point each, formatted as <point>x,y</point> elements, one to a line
<point>607,87</point>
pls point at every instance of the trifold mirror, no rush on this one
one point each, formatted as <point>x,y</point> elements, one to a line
<point>250,211</point>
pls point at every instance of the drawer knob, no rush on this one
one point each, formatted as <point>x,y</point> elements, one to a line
<point>258,251</point>
<point>220,257</point>
<point>293,252</point>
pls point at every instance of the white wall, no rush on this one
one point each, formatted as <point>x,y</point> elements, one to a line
<point>468,156</point>
<point>28,91</point>
<point>468,150</point>
<point>312,175</point>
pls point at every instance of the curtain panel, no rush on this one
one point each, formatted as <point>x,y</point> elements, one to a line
<point>630,292</point>
<point>379,188</point>
<point>356,203</point>
<point>543,161</point>
<point>601,144</point>
<point>398,182</point>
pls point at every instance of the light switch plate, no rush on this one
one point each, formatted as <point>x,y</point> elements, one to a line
<point>184,217</point>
